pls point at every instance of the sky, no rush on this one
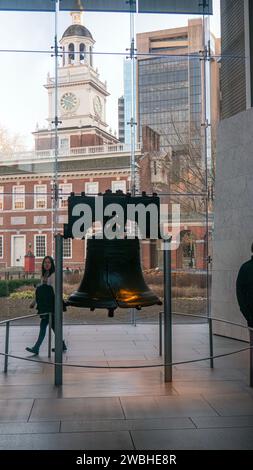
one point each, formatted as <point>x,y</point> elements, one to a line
<point>24,99</point>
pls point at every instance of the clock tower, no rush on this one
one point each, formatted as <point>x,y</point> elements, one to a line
<point>81,97</point>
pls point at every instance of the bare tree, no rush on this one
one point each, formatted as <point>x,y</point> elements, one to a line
<point>9,143</point>
<point>186,170</point>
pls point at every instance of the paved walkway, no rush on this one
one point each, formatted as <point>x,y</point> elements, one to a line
<point>123,408</point>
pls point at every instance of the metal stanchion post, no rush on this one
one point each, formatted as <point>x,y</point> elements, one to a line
<point>7,336</point>
<point>58,308</point>
<point>160,334</point>
<point>251,356</point>
<point>210,323</point>
<point>167,312</point>
<point>49,335</point>
<point>133,316</point>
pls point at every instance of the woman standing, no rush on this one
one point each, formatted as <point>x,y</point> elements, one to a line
<point>45,302</point>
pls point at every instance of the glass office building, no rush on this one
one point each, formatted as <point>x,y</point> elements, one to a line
<point>121,119</point>
<point>129,85</point>
<point>171,85</point>
<point>164,97</point>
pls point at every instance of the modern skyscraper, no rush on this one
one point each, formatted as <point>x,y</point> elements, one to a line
<point>236,57</point>
<point>121,121</point>
<point>129,97</point>
<point>170,84</point>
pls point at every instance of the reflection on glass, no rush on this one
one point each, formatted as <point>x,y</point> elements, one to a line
<point>163,82</point>
<point>99,5</point>
<point>28,5</point>
<point>173,6</point>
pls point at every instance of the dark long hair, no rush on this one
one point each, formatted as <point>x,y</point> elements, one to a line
<point>52,269</point>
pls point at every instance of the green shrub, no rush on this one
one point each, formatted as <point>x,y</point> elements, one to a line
<point>14,284</point>
<point>7,287</point>
<point>4,291</point>
<point>26,294</point>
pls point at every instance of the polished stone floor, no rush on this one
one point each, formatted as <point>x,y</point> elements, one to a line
<point>115,407</point>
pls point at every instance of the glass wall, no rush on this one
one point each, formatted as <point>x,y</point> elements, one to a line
<point>63,72</point>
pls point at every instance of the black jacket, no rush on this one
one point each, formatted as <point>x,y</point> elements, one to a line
<point>244,290</point>
<point>44,299</point>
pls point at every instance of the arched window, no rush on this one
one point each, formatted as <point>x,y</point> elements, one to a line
<point>91,57</point>
<point>71,53</point>
<point>82,49</point>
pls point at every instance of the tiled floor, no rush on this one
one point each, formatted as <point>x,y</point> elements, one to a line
<point>121,408</point>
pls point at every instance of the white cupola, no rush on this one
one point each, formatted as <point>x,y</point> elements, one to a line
<point>77,43</point>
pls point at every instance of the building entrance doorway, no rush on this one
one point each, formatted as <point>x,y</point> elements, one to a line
<point>18,250</point>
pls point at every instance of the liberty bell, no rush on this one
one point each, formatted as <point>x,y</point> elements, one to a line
<point>113,276</point>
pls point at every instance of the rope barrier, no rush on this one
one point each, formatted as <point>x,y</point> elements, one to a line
<point>146,366</point>
<point>81,366</point>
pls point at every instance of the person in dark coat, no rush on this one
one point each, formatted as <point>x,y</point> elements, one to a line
<point>45,301</point>
<point>244,290</point>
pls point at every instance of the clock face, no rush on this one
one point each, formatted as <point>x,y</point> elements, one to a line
<point>97,105</point>
<point>68,101</point>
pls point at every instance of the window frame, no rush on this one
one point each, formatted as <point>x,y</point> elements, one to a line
<point>71,53</point>
<point>82,53</point>
<point>69,240</point>
<point>116,182</point>
<point>35,244</point>
<point>92,193</point>
<point>63,198</point>
<point>35,196</point>
<point>66,141</point>
<point>19,193</point>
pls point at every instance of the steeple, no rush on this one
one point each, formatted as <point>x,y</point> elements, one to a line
<point>76,17</point>
<point>82,95</point>
<point>77,43</point>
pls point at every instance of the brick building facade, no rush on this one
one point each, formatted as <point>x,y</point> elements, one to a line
<point>26,210</point>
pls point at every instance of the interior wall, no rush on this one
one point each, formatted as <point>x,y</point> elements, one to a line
<point>233,218</point>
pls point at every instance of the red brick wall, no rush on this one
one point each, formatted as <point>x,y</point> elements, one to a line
<point>145,174</point>
<point>150,139</point>
<point>44,143</point>
<point>149,258</point>
<point>76,140</point>
<point>151,142</point>
<point>78,185</point>
<point>85,140</point>
<point>30,229</point>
